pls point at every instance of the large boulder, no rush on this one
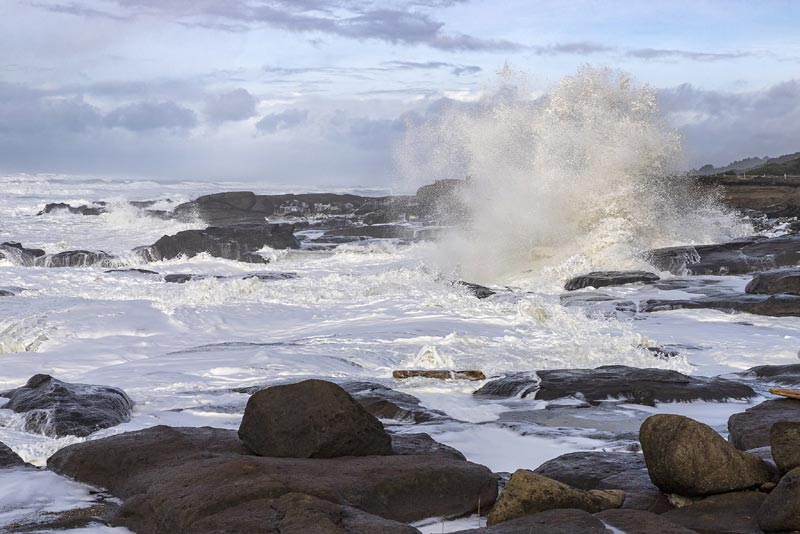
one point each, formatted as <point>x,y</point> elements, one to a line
<point>563,521</point>
<point>609,278</point>
<point>172,478</point>
<point>528,493</point>
<point>608,470</point>
<point>729,513</point>
<point>785,440</point>
<point>239,242</point>
<point>57,408</point>
<point>750,429</point>
<point>780,511</point>
<point>640,522</point>
<point>769,305</point>
<point>311,419</point>
<point>631,384</point>
<point>689,458</point>
<point>9,458</point>
<point>777,281</point>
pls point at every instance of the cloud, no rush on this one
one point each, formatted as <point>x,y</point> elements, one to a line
<point>581,48</point>
<point>657,53</point>
<point>457,70</point>
<point>284,120</point>
<point>150,115</point>
<point>25,111</point>
<point>234,105</point>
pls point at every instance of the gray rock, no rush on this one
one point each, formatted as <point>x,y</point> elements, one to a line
<point>422,443</point>
<point>780,511</point>
<point>770,305</point>
<point>19,255</point>
<point>640,522</point>
<point>311,419</point>
<point>57,408</point>
<point>75,210</point>
<point>76,258</point>
<point>632,384</point>
<point>564,521</point>
<point>609,278</point>
<point>689,458</point>
<point>730,513</point>
<point>773,282</point>
<point>528,493</point>
<point>750,429</point>
<point>386,403</point>
<point>788,375</point>
<point>785,440</point>
<point>9,458</point>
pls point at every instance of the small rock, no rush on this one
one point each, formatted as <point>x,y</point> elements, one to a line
<point>609,278</point>
<point>311,419</point>
<point>528,493</point>
<point>640,522</point>
<point>729,513</point>
<point>440,374</point>
<point>750,429</point>
<point>566,521</point>
<point>421,443</point>
<point>76,258</point>
<point>689,458</point>
<point>788,374</point>
<point>785,440</point>
<point>386,403</point>
<point>780,511</point>
<point>773,282</point>
<point>9,458</point>
<point>477,290</point>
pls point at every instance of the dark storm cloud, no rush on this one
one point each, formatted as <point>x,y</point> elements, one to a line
<point>26,111</point>
<point>144,116</point>
<point>284,120</point>
<point>234,105</point>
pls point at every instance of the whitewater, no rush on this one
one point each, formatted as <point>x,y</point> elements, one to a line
<point>362,310</point>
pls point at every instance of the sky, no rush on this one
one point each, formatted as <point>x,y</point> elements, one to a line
<point>317,92</point>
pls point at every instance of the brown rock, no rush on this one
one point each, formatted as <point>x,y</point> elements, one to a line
<point>750,429</point>
<point>729,513</point>
<point>566,521</point>
<point>640,522</point>
<point>780,511</point>
<point>440,374</point>
<point>785,440</point>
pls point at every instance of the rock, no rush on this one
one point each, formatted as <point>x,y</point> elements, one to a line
<point>784,438</point>
<point>55,408</point>
<point>631,384</point>
<point>9,458</point>
<point>4,293</point>
<point>311,419</point>
<point>778,281</point>
<point>76,258</point>
<point>528,493</point>
<point>784,392</point>
<point>777,374</point>
<point>765,453</point>
<point>19,255</point>
<point>385,403</point>
<point>729,513</point>
<point>240,242</point>
<point>609,278</point>
<point>479,291</point>
<point>750,429</point>
<point>133,271</point>
<point>608,470</point>
<point>566,521</point>
<point>772,305</point>
<point>780,511</point>
<point>182,278</point>
<point>439,374</point>
<point>171,478</point>
<point>407,444</point>
<point>741,256</point>
<point>640,522</point>
<point>78,210</point>
<point>689,458</point>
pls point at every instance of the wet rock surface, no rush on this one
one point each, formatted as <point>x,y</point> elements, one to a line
<point>9,458</point>
<point>751,429</point>
<point>311,419</point>
<point>386,403</point>
<point>771,305</point>
<point>173,478</point>
<point>632,384</point>
<point>76,258</point>
<point>57,408</point>
<point>774,374</point>
<point>182,278</point>
<point>730,513</point>
<point>689,458</point>
<point>610,278</point>
<point>566,521</point>
<point>18,254</point>
<point>773,282</point>
<point>75,210</point>
<point>438,374</point>
<point>780,511</point>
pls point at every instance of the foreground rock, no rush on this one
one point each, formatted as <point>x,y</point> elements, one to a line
<point>609,278</point>
<point>780,511</point>
<point>751,429</point>
<point>741,256</point>
<point>689,458</point>
<point>528,493</point>
<point>608,470</point>
<point>784,438</point>
<point>632,384</point>
<point>239,242</point>
<point>772,305</point>
<point>773,282</point>
<point>311,419</point>
<point>567,521</point>
<point>730,513</point>
<point>55,408</point>
<point>9,458</point>
<point>173,478</point>
<point>640,522</point>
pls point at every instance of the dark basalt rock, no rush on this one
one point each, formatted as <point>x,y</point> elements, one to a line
<point>689,458</point>
<point>19,255</point>
<point>57,408</point>
<point>77,210</point>
<point>730,513</point>
<point>386,403</point>
<point>239,242</point>
<point>9,458</point>
<point>640,522</point>
<point>438,374</point>
<point>408,444</point>
<point>774,374</point>
<point>784,438</point>
<point>5,293</point>
<point>780,511</point>
<point>750,429</point>
<point>173,478</point>
<point>478,291</point>
<point>311,419</point>
<point>609,278</point>
<point>76,258</point>
<point>773,282</point>
<point>608,470</point>
<point>564,521</point>
<point>741,256</point>
<point>182,278</point>
<point>772,305</point>
<point>134,272</point>
<point>632,384</point>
